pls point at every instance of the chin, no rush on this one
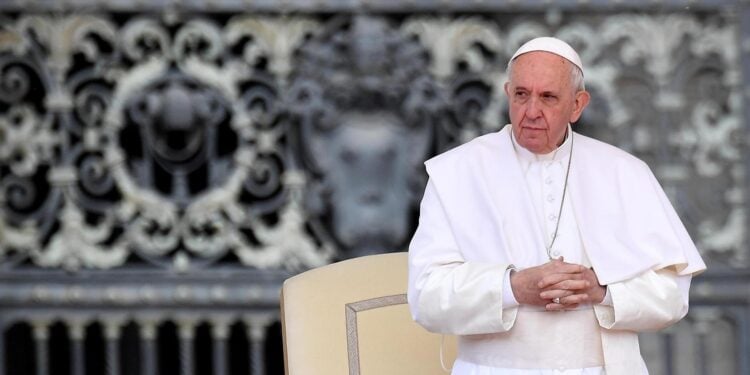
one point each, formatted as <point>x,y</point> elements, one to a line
<point>531,145</point>
<point>538,148</point>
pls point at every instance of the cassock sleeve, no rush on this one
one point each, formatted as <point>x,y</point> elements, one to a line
<point>446,293</point>
<point>650,301</point>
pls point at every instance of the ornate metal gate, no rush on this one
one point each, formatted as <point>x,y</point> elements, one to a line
<point>164,166</point>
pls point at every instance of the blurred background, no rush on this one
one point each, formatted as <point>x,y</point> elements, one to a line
<point>166,164</point>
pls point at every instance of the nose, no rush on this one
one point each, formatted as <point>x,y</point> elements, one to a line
<point>533,109</point>
<point>372,196</point>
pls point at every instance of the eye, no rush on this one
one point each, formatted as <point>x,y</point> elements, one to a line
<point>521,94</point>
<point>549,97</point>
<point>388,154</point>
<point>348,156</point>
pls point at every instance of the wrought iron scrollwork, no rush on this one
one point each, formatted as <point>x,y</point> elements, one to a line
<point>289,141</point>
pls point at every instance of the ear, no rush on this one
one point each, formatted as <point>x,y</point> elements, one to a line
<point>506,87</point>
<point>580,102</point>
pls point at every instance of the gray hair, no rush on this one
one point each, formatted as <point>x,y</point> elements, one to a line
<point>576,75</point>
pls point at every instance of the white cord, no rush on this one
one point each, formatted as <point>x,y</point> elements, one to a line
<point>442,361</point>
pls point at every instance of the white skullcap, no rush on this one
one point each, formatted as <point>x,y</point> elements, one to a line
<point>552,45</point>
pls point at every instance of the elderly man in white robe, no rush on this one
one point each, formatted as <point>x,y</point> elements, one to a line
<point>543,250</point>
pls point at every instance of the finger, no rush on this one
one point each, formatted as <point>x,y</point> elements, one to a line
<point>556,293</point>
<point>571,307</point>
<point>555,278</point>
<point>574,299</point>
<point>569,285</point>
<point>557,261</point>
<point>554,307</point>
<point>562,267</point>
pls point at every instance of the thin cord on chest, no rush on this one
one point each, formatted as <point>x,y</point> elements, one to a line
<point>562,201</point>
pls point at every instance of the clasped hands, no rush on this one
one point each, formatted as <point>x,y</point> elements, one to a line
<point>572,283</point>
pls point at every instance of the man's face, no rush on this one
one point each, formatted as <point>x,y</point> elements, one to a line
<point>542,100</point>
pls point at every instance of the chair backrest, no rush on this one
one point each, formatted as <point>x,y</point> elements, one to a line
<point>351,317</point>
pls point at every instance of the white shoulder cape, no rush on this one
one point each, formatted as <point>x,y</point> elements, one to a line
<point>626,221</point>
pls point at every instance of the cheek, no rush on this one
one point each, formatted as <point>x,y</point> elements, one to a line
<point>560,126</point>
<point>516,110</point>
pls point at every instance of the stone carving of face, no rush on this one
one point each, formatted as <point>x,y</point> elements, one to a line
<point>368,161</point>
<point>365,105</point>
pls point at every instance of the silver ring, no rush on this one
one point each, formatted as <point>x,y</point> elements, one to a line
<point>556,300</point>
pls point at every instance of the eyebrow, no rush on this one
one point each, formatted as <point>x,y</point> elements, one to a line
<point>546,92</point>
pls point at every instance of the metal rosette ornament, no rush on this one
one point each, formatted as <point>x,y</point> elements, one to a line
<point>200,156</point>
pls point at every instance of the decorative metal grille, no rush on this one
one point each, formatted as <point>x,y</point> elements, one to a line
<point>174,162</point>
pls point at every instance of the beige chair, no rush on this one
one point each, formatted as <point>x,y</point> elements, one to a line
<point>352,318</point>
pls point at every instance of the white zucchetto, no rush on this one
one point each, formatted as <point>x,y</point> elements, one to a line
<point>552,45</point>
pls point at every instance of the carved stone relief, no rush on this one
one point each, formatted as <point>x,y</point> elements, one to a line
<point>365,106</point>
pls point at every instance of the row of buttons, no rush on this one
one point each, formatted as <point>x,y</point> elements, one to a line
<point>550,207</point>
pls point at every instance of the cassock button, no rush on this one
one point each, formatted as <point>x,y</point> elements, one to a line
<point>548,180</point>
<point>552,217</point>
<point>550,198</point>
<point>555,253</point>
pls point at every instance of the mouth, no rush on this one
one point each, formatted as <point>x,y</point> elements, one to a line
<point>532,125</point>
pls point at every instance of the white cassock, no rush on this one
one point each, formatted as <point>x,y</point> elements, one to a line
<point>491,205</point>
